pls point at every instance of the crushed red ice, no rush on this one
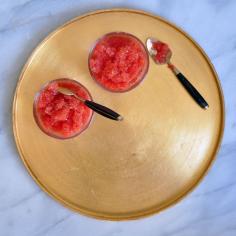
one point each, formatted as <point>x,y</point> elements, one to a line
<point>163,51</point>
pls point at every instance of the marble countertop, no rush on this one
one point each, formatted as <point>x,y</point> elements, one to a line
<point>25,209</point>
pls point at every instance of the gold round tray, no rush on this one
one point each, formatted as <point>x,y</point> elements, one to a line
<point>129,169</point>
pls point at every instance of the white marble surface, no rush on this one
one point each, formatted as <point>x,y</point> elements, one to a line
<point>210,210</point>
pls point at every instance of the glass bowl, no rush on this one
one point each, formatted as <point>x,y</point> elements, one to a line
<point>135,41</point>
<point>64,82</point>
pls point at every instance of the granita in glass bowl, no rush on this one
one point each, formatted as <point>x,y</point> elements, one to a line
<point>118,61</point>
<point>62,116</point>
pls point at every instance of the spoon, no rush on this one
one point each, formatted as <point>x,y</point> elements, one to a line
<point>187,85</point>
<point>100,109</point>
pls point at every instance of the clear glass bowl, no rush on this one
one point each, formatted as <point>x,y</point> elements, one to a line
<point>141,75</point>
<point>39,121</point>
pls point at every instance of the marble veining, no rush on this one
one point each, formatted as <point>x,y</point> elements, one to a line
<point>209,210</point>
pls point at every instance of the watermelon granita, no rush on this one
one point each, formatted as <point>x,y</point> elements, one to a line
<point>62,116</point>
<point>118,61</point>
<point>162,52</point>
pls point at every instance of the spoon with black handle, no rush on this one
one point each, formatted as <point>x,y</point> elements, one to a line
<point>100,109</point>
<point>183,80</point>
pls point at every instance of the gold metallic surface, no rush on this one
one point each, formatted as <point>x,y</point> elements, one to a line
<point>147,162</point>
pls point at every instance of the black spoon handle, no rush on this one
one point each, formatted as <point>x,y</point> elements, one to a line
<point>190,88</point>
<point>102,110</point>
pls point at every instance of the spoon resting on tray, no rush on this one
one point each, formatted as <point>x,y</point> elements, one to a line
<point>161,54</point>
